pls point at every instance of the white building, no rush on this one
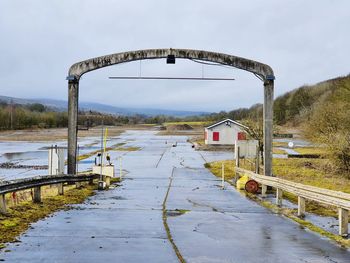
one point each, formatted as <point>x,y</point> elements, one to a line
<point>225,132</point>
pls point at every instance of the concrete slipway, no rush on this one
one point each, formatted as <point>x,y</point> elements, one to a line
<point>207,224</point>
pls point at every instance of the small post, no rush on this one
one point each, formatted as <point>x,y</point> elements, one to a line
<point>237,157</point>
<point>2,204</point>
<point>257,170</point>
<point>343,215</point>
<point>37,194</point>
<point>91,181</point>
<point>100,183</point>
<point>263,190</point>
<point>222,175</point>
<point>77,161</point>
<point>279,195</point>
<point>120,168</point>
<point>60,189</point>
<point>301,206</point>
<point>107,180</point>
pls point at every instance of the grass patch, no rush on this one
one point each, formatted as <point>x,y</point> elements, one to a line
<point>191,123</point>
<point>127,149</point>
<point>311,150</point>
<point>114,147</point>
<point>200,142</point>
<point>311,172</point>
<point>280,144</point>
<point>20,217</point>
<point>278,151</point>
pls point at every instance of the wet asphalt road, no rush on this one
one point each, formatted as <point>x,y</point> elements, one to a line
<point>207,224</point>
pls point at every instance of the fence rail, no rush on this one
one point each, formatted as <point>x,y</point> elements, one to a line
<point>305,192</point>
<point>37,182</point>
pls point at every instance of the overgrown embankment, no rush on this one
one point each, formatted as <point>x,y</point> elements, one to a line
<point>306,171</point>
<point>314,172</point>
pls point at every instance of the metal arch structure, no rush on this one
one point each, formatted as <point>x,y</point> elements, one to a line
<point>263,71</point>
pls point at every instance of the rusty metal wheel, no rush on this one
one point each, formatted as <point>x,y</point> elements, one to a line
<point>252,186</point>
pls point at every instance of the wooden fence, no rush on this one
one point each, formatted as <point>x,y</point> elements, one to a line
<point>305,192</point>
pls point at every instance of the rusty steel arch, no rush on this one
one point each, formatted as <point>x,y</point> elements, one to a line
<point>263,71</point>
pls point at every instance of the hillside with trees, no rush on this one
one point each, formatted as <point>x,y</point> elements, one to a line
<point>320,111</point>
<point>298,105</point>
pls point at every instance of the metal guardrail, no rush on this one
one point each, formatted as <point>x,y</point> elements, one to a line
<point>37,182</point>
<point>328,197</point>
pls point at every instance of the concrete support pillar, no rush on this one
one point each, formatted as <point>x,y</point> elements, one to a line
<point>279,195</point>
<point>268,126</point>
<point>37,194</point>
<point>2,204</point>
<point>263,190</point>
<point>73,95</point>
<point>343,221</point>
<point>60,189</point>
<point>301,206</point>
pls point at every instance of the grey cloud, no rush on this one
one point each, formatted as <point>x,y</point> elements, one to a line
<point>304,41</point>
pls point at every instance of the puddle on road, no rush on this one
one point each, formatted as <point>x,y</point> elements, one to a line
<point>17,156</point>
<point>176,212</point>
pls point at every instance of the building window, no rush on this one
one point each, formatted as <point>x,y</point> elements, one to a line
<point>216,136</point>
<point>241,136</point>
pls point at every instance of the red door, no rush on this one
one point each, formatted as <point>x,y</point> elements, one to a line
<point>216,136</point>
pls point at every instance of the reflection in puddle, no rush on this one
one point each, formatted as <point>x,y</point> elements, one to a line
<point>16,156</point>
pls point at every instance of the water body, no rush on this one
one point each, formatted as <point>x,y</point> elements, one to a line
<point>36,154</point>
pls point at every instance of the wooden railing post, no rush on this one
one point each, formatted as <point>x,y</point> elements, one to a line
<point>2,204</point>
<point>257,159</point>
<point>237,157</point>
<point>301,206</point>
<point>279,195</point>
<point>343,221</point>
<point>263,190</point>
<point>60,189</point>
<point>37,194</point>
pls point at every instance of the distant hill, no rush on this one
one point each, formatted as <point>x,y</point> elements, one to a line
<point>61,105</point>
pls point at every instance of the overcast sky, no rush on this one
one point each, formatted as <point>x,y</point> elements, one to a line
<point>303,41</point>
